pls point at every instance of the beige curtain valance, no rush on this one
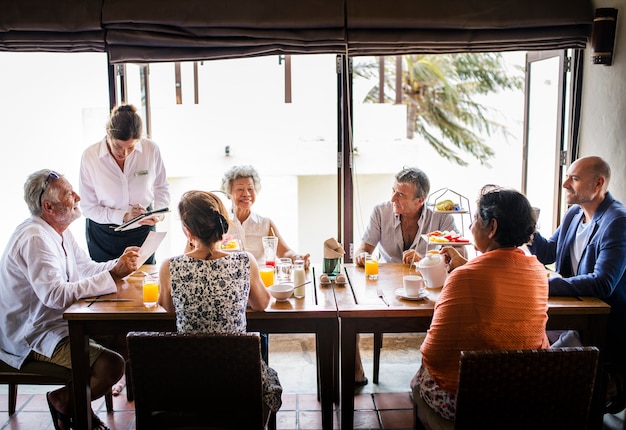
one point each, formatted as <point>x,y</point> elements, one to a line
<point>164,30</point>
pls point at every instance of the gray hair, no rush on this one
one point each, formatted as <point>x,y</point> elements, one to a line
<point>415,176</point>
<point>36,186</point>
<point>237,172</point>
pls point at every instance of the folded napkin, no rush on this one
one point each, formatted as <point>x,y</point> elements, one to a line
<point>333,249</point>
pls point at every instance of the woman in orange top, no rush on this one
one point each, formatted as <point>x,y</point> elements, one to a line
<point>498,300</point>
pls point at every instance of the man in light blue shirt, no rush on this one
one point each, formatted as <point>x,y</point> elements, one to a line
<point>396,226</point>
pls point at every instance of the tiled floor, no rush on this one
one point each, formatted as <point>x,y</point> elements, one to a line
<point>377,406</point>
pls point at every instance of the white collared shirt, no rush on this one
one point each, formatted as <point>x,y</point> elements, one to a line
<point>107,193</point>
<point>35,290</point>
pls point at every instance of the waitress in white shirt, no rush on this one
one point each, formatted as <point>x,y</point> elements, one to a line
<point>121,177</point>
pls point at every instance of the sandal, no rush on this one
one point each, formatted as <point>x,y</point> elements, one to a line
<point>66,421</point>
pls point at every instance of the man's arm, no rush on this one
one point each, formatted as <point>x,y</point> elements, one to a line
<point>602,267</point>
<point>359,259</point>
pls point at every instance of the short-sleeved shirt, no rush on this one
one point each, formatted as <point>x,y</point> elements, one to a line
<point>384,230</point>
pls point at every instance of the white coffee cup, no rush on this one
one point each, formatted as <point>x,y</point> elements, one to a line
<point>413,284</point>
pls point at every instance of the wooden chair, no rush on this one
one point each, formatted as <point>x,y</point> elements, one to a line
<point>38,373</point>
<point>196,380</point>
<point>538,389</point>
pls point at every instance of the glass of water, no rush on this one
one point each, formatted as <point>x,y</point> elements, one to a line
<point>283,269</point>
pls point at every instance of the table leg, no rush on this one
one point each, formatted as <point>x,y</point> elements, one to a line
<point>348,354</point>
<point>325,353</point>
<point>79,346</point>
<point>597,337</point>
<point>336,374</point>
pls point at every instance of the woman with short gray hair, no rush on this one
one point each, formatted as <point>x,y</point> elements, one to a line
<point>241,184</point>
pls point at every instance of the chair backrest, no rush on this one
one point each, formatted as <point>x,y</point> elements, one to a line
<point>538,389</point>
<point>185,379</point>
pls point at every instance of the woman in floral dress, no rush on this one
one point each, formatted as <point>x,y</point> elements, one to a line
<point>209,289</point>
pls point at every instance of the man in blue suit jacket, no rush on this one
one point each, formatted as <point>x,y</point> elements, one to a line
<point>589,248</point>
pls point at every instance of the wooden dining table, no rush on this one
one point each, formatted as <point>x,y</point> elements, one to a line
<point>119,313</point>
<point>361,310</point>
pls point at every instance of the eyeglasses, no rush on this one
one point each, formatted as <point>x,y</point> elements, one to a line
<point>51,176</point>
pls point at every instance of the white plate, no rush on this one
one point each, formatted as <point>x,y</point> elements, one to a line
<point>401,293</point>
<point>427,239</point>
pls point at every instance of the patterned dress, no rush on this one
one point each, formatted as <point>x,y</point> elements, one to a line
<point>211,296</point>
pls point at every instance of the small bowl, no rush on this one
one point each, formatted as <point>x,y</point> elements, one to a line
<point>281,292</point>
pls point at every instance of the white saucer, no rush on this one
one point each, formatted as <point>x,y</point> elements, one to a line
<point>400,292</point>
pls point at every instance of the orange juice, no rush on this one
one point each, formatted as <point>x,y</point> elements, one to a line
<point>371,268</point>
<point>150,293</point>
<point>267,275</point>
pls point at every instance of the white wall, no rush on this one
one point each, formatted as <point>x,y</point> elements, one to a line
<point>603,124</point>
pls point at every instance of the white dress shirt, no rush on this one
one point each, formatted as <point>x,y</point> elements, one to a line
<point>107,193</point>
<point>41,274</point>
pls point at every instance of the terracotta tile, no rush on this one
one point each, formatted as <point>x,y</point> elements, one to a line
<point>289,402</point>
<point>32,402</point>
<point>30,420</point>
<point>363,401</point>
<point>286,420</point>
<point>313,421</point>
<point>397,419</point>
<point>308,402</point>
<point>393,401</point>
<point>366,420</point>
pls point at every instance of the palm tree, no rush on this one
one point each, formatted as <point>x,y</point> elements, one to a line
<point>439,91</point>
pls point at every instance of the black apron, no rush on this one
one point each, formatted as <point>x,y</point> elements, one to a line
<point>104,243</point>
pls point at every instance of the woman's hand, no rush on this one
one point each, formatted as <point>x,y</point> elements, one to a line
<point>452,257</point>
<point>151,220</point>
<point>134,212</point>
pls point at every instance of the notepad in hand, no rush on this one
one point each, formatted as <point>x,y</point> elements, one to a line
<point>135,221</point>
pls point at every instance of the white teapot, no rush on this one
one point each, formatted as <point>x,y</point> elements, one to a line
<point>433,270</point>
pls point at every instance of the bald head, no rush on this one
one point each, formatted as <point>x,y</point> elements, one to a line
<point>597,167</point>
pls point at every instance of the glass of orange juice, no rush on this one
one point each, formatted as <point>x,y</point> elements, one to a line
<point>371,267</point>
<point>150,291</point>
<point>267,275</point>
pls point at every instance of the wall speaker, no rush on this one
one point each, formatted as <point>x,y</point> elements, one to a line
<point>603,36</point>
